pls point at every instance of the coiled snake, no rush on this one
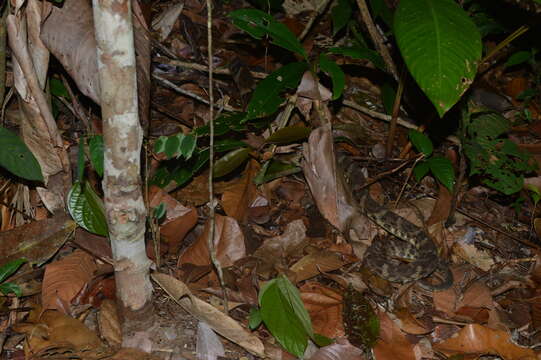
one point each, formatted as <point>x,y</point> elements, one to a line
<point>408,256</point>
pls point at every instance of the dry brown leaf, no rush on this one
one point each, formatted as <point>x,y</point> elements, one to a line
<point>340,350</point>
<point>179,219</point>
<point>280,247</point>
<point>411,325</point>
<point>480,340</point>
<point>325,308</point>
<point>321,261</point>
<point>228,241</point>
<point>64,280</point>
<point>240,194</point>
<point>221,323</point>
<point>109,323</point>
<point>393,343</point>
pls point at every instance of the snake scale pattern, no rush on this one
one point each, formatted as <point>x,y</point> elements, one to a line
<point>410,254</point>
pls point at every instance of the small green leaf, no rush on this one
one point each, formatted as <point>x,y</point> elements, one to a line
<point>17,158</point>
<point>230,161</point>
<point>8,288</point>
<point>159,211</point>
<point>254,319</point>
<point>421,142</point>
<point>535,193</point>
<point>266,97</point>
<point>360,53</point>
<point>172,145</point>
<point>284,314</point>
<point>340,14</point>
<point>258,23</point>
<point>228,144</point>
<point>187,146</point>
<point>58,88</point>
<point>96,148</point>
<point>335,72</point>
<point>420,170</point>
<point>442,168</point>
<point>9,269</point>
<point>86,208</point>
<point>322,340</point>
<point>518,58</point>
<point>289,134</point>
<point>273,169</point>
<point>223,124</point>
<point>388,94</point>
<point>159,145</point>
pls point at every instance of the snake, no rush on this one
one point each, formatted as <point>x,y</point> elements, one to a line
<point>409,255</point>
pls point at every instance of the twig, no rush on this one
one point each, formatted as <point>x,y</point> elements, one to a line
<point>376,37</point>
<point>204,68</point>
<point>212,219</point>
<point>396,110</point>
<point>178,89</point>
<point>312,19</point>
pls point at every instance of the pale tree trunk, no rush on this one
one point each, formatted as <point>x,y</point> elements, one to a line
<point>124,205</point>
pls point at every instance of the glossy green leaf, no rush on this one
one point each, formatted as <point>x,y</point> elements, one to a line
<point>289,134</point>
<point>258,23</point>
<point>86,208</point>
<point>187,146</point>
<point>336,74</point>
<point>340,14</point>
<point>96,148</point>
<point>159,211</point>
<point>442,168</point>
<point>441,47</point>
<point>518,58</point>
<point>360,53</point>
<point>420,170</point>
<point>254,319</point>
<point>17,158</point>
<point>266,97</point>
<point>421,142</point>
<point>284,314</point>
<point>230,161</point>
<point>8,288</point>
<point>9,268</point>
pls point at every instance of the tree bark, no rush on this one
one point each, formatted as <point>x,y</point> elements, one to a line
<point>124,205</point>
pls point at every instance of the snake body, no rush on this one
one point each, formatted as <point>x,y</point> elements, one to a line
<point>411,254</point>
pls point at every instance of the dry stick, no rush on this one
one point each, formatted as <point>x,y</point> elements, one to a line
<point>312,19</point>
<point>376,37</point>
<point>212,230</point>
<point>396,110</point>
<point>199,67</point>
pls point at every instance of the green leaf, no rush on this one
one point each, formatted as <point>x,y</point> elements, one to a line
<point>322,340</point>
<point>17,158</point>
<point>159,211</point>
<point>360,53</point>
<point>159,145</point>
<point>442,168</point>
<point>441,47</point>
<point>228,144</point>
<point>187,146</point>
<point>254,319</point>
<point>8,288</point>
<point>518,58</point>
<point>9,269</point>
<point>273,169</point>
<point>421,142</point>
<point>96,148</point>
<point>340,14</point>
<point>86,208</point>
<point>57,88</point>
<point>535,193</point>
<point>172,145</point>
<point>388,94</point>
<point>258,23</point>
<point>381,10</point>
<point>284,314</point>
<point>289,134</point>
<point>223,124</point>
<point>420,170</point>
<point>336,74</point>
<point>230,161</point>
<point>266,97</point>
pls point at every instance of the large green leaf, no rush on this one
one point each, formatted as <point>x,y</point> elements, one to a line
<point>86,208</point>
<point>230,161</point>
<point>17,158</point>
<point>284,314</point>
<point>336,74</point>
<point>266,97</point>
<point>441,47</point>
<point>258,23</point>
